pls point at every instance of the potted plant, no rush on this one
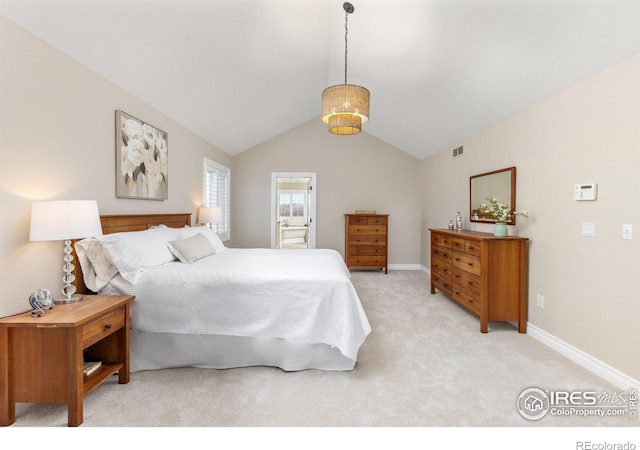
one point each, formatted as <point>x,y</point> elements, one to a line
<point>501,213</point>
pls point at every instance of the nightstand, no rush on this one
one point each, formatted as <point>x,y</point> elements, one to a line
<point>41,358</point>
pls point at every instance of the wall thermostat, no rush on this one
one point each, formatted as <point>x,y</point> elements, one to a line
<point>585,191</point>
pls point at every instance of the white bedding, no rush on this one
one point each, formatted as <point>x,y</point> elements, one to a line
<point>299,296</point>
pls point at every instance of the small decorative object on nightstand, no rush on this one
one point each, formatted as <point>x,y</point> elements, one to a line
<point>42,358</point>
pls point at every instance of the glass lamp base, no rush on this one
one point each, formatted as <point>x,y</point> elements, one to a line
<point>71,299</point>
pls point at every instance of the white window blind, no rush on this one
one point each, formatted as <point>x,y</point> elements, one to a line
<point>217,180</point>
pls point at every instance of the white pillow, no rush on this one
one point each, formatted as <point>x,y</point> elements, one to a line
<point>187,231</point>
<point>191,249</point>
<point>97,269</point>
<point>133,252</point>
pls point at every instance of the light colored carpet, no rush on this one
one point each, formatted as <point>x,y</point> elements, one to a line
<point>425,364</point>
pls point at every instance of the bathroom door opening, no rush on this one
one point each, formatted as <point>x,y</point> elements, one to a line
<point>293,210</point>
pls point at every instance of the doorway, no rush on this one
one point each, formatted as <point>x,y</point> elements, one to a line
<point>293,210</point>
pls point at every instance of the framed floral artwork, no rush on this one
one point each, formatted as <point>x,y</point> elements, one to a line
<point>142,159</point>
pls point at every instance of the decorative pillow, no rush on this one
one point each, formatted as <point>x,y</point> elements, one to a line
<point>133,252</point>
<point>213,237</point>
<point>97,269</point>
<point>191,249</point>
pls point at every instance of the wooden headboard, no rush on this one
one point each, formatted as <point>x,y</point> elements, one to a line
<point>131,222</point>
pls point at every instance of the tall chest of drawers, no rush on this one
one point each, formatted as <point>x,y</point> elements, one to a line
<point>485,274</point>
<point>366,240</point>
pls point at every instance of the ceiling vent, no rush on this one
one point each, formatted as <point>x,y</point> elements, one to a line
<point>457,152</point>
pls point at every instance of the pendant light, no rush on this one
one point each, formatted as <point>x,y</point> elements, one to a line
<point>345,107</point>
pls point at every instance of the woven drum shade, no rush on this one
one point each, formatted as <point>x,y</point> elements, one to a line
<point>345,107</point>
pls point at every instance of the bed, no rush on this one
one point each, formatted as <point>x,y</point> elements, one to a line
<point>201,304</point>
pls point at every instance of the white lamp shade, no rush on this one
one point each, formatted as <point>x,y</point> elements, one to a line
<point>64,219</point>
<point>212,214</point>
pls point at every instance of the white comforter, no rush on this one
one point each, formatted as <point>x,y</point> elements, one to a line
<point>301,295</point>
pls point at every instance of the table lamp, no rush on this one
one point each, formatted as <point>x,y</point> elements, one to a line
<point>209,215</point>
<point>65,220</point>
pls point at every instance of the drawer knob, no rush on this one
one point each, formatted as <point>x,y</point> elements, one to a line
<point>107,326</point>
<point>471,264</point>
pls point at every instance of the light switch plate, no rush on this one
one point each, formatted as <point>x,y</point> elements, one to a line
<point>588,229</point>
<point>627,231</point>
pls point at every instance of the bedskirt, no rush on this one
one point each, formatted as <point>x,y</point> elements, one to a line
<point>152,351</point>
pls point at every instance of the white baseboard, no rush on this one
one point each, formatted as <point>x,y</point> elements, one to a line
<point>601,369</point>
<point>594,365</point>
<point>404,266</point>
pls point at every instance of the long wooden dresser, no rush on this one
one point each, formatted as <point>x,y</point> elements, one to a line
<point>366,240</point>
<point>485,274</point>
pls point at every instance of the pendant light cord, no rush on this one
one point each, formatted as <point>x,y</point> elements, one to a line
<point>346,32</point>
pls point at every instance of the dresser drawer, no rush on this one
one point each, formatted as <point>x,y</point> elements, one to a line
<point>466,279</point>
<point>365,261</point>
<point>367,240</point>
<point>466,246</point>
<point>441,264</point>
<point>441,240</point>
<point>441,252</point>
<point>103,326</point>
<point>472,247</point>
<point>466,298</point>
<point>443,273</point>
<point>466,262</point>
<point>367,220</point>
<point>377,220</point>
<point>370,230</point>
<point>441,282</point>
<point>356,250</point>
<point>457,244</point>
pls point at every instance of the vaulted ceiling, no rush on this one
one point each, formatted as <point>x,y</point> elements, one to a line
<point>240,72</point>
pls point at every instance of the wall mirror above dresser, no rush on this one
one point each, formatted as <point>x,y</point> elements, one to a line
<point>500,184</point>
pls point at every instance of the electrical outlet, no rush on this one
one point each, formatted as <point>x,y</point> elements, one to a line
<point>540,301</point>
<point>588,229</point>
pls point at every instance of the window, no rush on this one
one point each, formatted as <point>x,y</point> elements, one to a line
<point>216,193</point>
<point>292,206</point>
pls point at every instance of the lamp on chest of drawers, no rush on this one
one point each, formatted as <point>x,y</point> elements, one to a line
<point>65,220</point>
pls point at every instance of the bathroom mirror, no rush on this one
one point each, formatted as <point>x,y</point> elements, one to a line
<point>500,184</point>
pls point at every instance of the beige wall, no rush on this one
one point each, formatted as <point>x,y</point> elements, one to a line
<point>353,172</point>
<point>57,122</point>
<point>589,132</point>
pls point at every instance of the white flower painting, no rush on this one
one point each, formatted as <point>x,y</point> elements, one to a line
<point>142,159</point>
